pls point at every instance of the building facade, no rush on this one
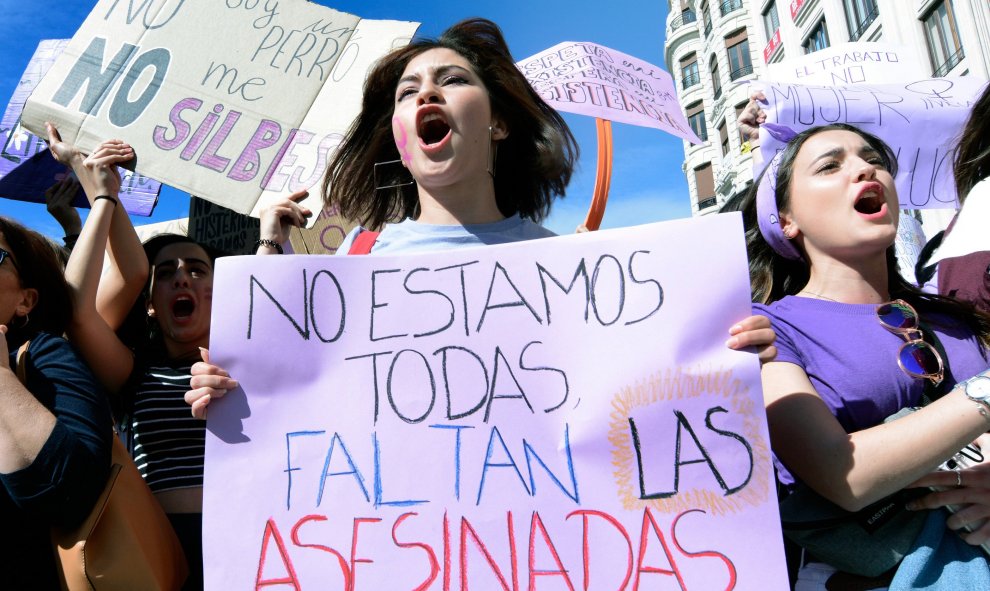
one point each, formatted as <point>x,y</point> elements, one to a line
<point>713,46</point>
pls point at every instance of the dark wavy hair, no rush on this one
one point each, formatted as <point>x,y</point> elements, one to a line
<point>39,268</point>
<point>972,155</point>
<point>534,163</point>
<point>772,276</point>
<point>139,332</point>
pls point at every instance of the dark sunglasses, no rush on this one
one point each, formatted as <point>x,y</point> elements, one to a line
<point>5,255</point>
<point>916,357</point>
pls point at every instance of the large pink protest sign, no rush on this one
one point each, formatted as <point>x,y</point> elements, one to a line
<point>27,168</point>
<point>559,414</point>
<point>921,121</point>
<point>589,79</point>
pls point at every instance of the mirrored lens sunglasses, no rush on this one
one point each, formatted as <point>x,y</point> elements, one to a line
<point>916,357</point>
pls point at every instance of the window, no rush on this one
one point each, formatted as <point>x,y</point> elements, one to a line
<point>860,14</point>
<point>723,137</point>
<point>770,19</point>
<point>818,39</point>
<point>687,16</point>
<point>942,35</point>
<point>696,119</point>
<point>728,6</point>
<point>689,71</point>
<point>716,81</point>
<point>737,48</point>
<point>705,182</point>
<point>707,18</point>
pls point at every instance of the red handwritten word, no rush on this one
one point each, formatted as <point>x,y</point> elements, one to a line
<point>637,571</point>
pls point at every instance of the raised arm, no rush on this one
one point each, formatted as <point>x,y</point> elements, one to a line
<point>854,470</point>
<point>110,360</point>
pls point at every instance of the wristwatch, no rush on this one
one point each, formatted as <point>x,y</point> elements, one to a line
<point>977,389</point>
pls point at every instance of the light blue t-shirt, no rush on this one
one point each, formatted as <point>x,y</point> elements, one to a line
<point>412,236</point>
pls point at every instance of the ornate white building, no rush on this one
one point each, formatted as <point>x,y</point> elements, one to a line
<point>713,45</point>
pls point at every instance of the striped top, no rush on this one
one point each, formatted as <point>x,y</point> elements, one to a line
<point>168,442</point>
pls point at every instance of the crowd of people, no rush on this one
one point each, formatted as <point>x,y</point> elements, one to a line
<point>453,148</point>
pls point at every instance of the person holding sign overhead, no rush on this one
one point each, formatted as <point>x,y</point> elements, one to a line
<point>167,284</point>
<point>857,345</point>
<point>454,143</point>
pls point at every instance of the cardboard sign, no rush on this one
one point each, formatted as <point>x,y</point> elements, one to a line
<point>27,168</point>
<point>593,80</point>
<point>849,63</point>
<point>323,237</point>
<point>221,228</point>
<point>561,413</point>
<point>921,121</point>
<point>236,101</point>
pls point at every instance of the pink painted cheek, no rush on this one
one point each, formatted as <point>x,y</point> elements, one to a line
<point>401,139</point>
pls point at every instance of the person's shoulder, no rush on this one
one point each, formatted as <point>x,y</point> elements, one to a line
<point>345,245</point>
<point>43,344</point>
<point>533,230</point>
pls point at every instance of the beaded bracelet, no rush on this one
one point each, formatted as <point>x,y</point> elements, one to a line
<point>270,244</point>
<point>107,197</point>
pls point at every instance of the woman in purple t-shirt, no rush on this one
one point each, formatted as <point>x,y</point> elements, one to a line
<point>821,226</point>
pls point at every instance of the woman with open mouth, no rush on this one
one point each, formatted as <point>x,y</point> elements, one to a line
<point>141,326</point>
<point>857,344</point>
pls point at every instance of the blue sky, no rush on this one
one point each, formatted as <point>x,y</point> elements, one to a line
<point>647,182</point>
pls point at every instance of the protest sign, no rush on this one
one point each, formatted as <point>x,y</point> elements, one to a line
<point>27,168</point>
<point>849,63</point>
<point>593,80</point>
<point>221,228</point>
<point>323,237</point>
<point>237,118</point>
<point>562,411</point>
<point>920,120</point>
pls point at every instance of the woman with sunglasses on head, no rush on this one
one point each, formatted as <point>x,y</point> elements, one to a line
<point>856,343</point>
<point>55,426</point>
<point>452,148</point>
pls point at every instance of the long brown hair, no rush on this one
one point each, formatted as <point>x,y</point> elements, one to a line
<point>773,277</point>
<point>534,163</point>
<point>972,155</point>
<point>39,268</point>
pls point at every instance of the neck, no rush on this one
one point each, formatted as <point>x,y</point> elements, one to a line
<point>459,205</point>
<point>185,351</point>
<point>863,283</point>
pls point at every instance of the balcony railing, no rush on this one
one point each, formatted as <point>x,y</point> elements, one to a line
<point>705,204</point>
<point>867,21</point>
<point>743,71</point>
<point>690,80</point>
<point>684,18</point>
<point>950,63</point>
<point>730,6</point>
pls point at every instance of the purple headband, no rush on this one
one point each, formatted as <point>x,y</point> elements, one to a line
<point>767,213</point>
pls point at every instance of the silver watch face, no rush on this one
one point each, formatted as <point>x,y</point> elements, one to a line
<point>979,388</point>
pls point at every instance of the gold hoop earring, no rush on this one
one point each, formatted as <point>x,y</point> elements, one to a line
<point>26,318</point>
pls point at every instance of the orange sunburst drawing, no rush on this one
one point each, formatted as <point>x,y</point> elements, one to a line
<point>682,384</point>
